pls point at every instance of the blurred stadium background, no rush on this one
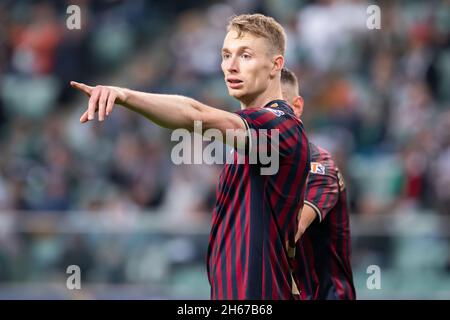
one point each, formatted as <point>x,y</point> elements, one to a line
<point>106,197</point>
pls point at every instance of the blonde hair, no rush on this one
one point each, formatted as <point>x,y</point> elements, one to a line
<point>261,26</point>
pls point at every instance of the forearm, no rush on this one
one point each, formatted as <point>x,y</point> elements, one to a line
<point>169,111</point>
<point>307,217</point>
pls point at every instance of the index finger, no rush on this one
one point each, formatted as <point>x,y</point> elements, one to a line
<point>81,86</point>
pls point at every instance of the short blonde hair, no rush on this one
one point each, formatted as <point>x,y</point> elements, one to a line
<point>261,26</point>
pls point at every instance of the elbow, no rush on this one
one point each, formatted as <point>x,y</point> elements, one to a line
<point>195,115</point>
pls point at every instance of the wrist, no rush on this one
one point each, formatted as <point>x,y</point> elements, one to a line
<point>124,95</point>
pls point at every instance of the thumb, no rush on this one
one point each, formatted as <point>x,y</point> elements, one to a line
<point>81,86</point>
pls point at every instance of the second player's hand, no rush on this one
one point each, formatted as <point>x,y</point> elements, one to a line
<point>101,100</point>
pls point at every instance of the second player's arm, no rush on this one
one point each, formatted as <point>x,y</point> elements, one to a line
<point>321,195</point>
<point>307,216</point>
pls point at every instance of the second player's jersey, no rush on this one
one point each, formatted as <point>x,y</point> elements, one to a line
<point>255,216</point>
<point>323,252</point>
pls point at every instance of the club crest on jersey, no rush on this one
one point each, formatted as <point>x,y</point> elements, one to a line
<point>317,167</point>
<point>278,113</point>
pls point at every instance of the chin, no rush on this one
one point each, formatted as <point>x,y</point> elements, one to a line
<point>237,94</point>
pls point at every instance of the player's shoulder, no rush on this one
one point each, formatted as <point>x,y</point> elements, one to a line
<point>273,109</point>
<point>321,161</point>
<point>319,154</point>
<point>281,108</point>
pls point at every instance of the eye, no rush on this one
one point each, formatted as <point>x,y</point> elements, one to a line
<point>225,55</point>
<point>245,56</point>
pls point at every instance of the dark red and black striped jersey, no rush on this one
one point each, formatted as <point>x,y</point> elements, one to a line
<point>255,216</point>
<point>323,266</point>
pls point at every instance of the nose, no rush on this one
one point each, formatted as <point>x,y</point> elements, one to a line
<point>232,65</point>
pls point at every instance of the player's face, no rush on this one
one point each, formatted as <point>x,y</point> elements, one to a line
<point>247,63</point>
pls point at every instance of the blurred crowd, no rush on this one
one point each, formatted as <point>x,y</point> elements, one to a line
<point>379,100</point>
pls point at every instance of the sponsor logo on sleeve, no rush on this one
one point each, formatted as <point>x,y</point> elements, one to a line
<point>317,167</point>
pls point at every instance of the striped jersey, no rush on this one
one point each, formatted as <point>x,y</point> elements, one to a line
<point>323,252</point>
<point>252,237</point>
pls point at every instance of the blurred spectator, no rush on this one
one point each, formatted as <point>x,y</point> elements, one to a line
<point>381,89</point>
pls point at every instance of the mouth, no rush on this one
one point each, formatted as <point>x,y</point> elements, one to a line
<point>234,83</point>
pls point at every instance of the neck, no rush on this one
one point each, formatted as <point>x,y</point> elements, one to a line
<point>273,92</point>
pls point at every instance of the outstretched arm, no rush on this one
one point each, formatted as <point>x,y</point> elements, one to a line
<point>169,111</point>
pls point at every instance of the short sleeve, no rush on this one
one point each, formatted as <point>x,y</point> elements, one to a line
<point>322,190</point>
<point>269,127</point>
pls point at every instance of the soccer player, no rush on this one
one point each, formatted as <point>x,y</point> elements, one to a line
<point>255,217</point>
<point>323,239</point>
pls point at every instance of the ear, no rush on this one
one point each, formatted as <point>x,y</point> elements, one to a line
<point>278,64</point>
<point>298,106</point>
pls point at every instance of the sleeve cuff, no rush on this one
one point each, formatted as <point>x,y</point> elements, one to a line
<point>315,208</point>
